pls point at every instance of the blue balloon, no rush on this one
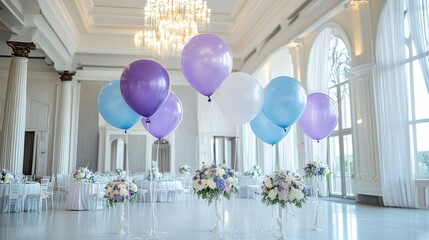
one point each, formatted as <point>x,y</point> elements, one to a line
<point>114,109</point>
<point>266,130</point>
<point>285,101</point>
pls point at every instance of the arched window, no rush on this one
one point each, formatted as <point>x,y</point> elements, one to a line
<point>342,180</point>
<point>416,33</point>
<point>328,72</point>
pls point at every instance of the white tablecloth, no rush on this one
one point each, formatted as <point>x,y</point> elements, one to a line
<point>29,188</point>
<point>166,191</point>
<point>79,194</point>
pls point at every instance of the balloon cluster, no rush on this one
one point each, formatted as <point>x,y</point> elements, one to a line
<point>143,91</point>
<point>206,60</point>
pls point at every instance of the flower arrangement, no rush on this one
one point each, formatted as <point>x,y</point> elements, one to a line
<point>185,169</point>
<point>6,176</point>
<point>255,172</point>
<point>282,187</point>
<point>214,181</point>
<point>120,191</point>
<point>121,173</point>
<point>154,174</point>
<point>316,168</point>
<point>83,174</point>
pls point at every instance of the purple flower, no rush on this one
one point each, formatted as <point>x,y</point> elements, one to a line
<point>220,183</point>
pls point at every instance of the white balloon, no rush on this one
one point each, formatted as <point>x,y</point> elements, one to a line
<point>240,97</point>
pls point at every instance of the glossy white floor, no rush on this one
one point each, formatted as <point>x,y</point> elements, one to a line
<point>246,219</point>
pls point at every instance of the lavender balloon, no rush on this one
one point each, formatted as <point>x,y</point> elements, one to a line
<point>166,119</point>
<point>206,62</point>
<point>320,116</point>
<point>145,85</point>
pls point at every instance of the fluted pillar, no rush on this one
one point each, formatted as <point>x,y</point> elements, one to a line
<point>13,129</point>
<point>62,157</point>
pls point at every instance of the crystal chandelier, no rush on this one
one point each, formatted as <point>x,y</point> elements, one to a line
<point>169,24</point>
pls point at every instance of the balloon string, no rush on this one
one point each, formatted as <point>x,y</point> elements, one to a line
<point>123,220</point>
<point>211,129</point>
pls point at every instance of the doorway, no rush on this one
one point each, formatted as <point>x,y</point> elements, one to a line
<point>28,166</point>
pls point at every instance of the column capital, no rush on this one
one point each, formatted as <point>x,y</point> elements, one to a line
<point>66,75</point>
<point>21,49</point>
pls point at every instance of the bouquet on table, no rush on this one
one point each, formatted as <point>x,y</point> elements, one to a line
<point>214,181</point>
<point>282,187</point>
<point>83,174</point>
<point>154,174</point>
<point>121,173</point>
<point>6,176</point>
<point>255,172</point>
<point>120,191</point>
<point>185,169</point>
<point>316,169</point>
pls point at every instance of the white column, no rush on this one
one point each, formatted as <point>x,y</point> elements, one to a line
<point>12,147</point>
<point>62,158</point>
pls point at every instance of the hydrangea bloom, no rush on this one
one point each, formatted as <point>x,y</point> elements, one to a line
<point>120,191</point>
<point>214,181</point>
<point>282,187</point>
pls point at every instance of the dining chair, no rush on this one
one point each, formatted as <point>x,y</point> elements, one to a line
<point>96,199</point>
<point>16,196</point>
<point>142,191</point>
<point>62,186</point>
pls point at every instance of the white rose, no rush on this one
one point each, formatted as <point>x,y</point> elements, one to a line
<point>295,194</point>
<point>211,183</point>
<point>272,194</point>
<point>109,189</point>
<point>80,175</point>
<point>268,183</point>
<point>230,179</point>
<point>199,186</point>
<point>124,192</point>
<point>134,187</point>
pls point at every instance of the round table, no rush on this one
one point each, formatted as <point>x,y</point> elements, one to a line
<point>29,188</point>
<point>79,194</point>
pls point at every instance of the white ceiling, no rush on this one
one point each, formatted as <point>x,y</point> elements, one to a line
<point>99,33</point>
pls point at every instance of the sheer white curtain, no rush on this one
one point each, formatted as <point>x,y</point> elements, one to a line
<point>391,109</point>
<point>317,81</point>
<point>419,26</point>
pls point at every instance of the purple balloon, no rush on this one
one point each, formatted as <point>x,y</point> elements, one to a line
<point>166,119</point>
<point>145,85</point>
<point>206,62</point>
<point>320,116</point>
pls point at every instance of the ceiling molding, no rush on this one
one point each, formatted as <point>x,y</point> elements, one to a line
<point>61,22</point>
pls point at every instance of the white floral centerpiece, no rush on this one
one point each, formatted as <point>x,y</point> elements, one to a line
<point>83,174</point>
<point>120,191</point>
<point>6,176</point>
<point>185,169</point>
<point>282,187</point>
<point>316,169</point>
<point>154,174</point>
<point>121,173</point>
<point>212,182</point>
<point>255,172</point>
